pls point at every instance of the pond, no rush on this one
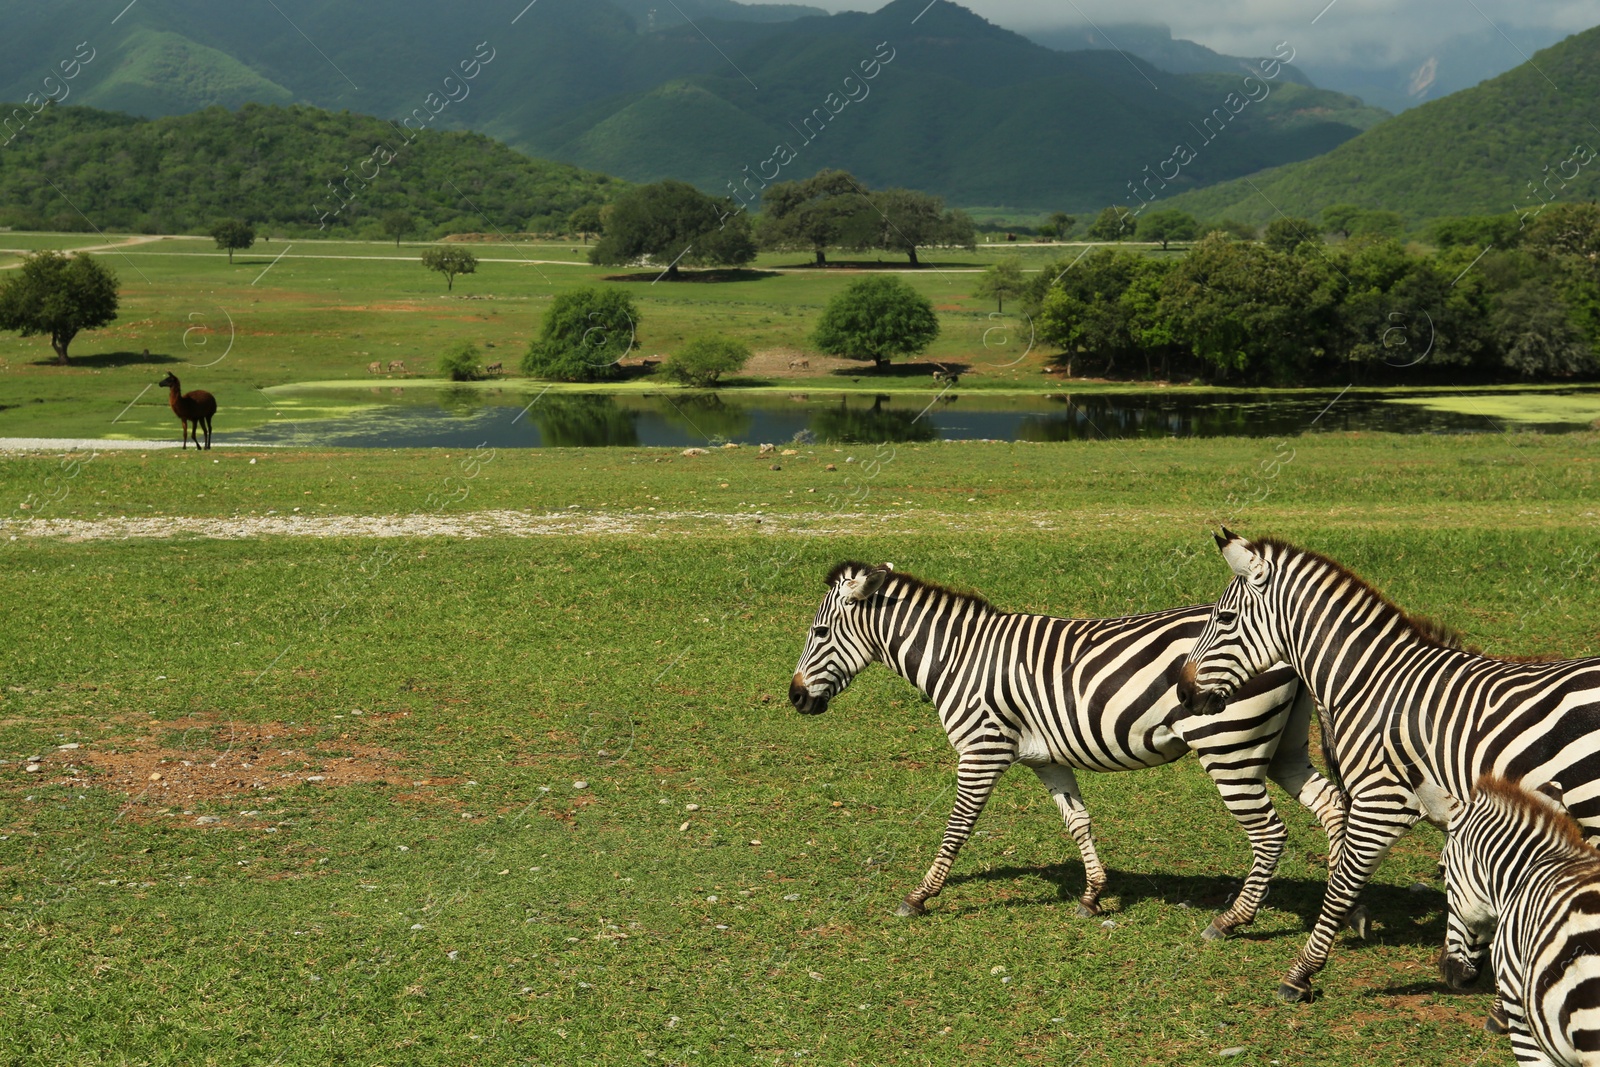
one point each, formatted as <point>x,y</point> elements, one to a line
<point>514,418</point>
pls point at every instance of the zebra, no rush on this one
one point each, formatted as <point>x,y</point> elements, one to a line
<point>1402,704</point>
<point>1519,871</point>
<point>1062,695</point>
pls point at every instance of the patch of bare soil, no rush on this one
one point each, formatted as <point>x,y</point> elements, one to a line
<point>785,362</point>
<point>202,762</point>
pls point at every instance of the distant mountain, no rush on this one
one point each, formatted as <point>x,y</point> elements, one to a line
<point>72,168</point>
<point>1519,140</point>
<point>959,107</point>
<point>1154,43</point>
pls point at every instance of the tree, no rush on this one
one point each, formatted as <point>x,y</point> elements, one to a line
<point>827,210</point>
<point>672,222</point>
<point>583,335</point>
<point>1112,224</point>
<point>51,294</point>
<point>459,362</point>
<point>1339,219</point>
<point>1538,335</point>
<point>233,234</point>
<point>1002,280</point>
<point>702,360</point>
<point>1242,231</point>
<point>908,220</point>
<point>1063,223</point>
<point>1168,225</point>
<point>397,224</point>
<point>877,319</point>
<point>586,221</point>
<point>1285,233</point>
<point>1082,309</point>
<point>450,262</point>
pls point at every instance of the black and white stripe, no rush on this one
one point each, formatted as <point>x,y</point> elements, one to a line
<point>1061,695</point>
<point>1520,873</point>
<point>1403,705</point>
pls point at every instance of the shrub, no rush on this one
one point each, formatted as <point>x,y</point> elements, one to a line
<point>702,360</point>
<point>583,335</point>
<point>459,362</point>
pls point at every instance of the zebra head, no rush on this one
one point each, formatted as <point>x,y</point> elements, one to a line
<point>1239,641</point>
<point>1470,917</point>
<point>841,641</point>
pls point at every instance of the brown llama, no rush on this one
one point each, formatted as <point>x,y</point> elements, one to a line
<point>194,410</point>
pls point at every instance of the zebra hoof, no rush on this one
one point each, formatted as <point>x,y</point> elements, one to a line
<point>1087,911</point>
<point>1216,931</point>
<point>1294,992</point>
<point>1359,921</point>
<point>909,908</point>
<point>1497,1023</point>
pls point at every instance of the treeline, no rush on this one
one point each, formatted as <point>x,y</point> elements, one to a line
<point>292,171</point>
<point>1496,300</point>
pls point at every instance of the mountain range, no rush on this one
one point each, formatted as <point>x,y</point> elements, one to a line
<point>702,90</point>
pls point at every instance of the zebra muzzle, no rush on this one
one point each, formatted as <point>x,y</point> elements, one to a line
<point>803,701</point>
<point>1199,701</point>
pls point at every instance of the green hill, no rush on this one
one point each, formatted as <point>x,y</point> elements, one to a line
<point>273,166</point>
<point>1484,150</point>
<point>966,109</point>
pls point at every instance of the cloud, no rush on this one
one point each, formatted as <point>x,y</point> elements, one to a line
<point>1348,29</point>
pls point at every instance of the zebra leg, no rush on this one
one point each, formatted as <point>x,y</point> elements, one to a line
<point>1247,801</point>
<point>1372,825</point>
<point>975,779</point>
<point>1063,785</point>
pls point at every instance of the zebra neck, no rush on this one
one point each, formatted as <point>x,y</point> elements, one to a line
<point>923,632</point>
<point>1335,643</point>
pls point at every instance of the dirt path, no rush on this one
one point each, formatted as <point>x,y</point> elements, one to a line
<point>113,247</point>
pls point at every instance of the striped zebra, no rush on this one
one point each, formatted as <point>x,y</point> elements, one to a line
<point>1520,872</point>
<point>1402,704</point>
<point>1060,695</point>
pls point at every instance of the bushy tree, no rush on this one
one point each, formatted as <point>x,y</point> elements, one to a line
<point>459,362</point>
<point>583,335</point>
<point>1168,225</point>
<point>1082,311</point>
<point>1241,231</point>
<point>397,224</point>
<point>877,318</point>
<point>51,294</point>
<point>908,220</point>
<point>674,223</point>
<point>1062,223</point>
<point>1002,280</point>
<point>1112,224</point>
<point>1287,233</point>
<point>826,210</point>
<point>1475,231</point>
<point>449,262</point>
<point>1539,336</point>
<point>232,235</point>
<point>586,221</point>
<point>702,360</point>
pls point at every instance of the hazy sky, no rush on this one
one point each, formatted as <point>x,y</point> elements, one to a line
<point>1251,27</point>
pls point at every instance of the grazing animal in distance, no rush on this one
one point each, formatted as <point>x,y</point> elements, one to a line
<point>375,367</point>
<point>1059,695</point>
<point>493,368</point>
<point>397,366</point>
<point>1403,704</point>
<point>797,363</point>
<point>1519,873</point>
<point>194,410</point>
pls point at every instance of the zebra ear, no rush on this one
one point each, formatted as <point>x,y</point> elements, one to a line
<point>1243,560</point>
<point>864,586</point>
<point>1438,807</point>
<point>1553,792</point>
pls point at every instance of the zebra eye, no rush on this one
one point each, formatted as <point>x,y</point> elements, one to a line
<point>819,631</point>
<point>1227,618</point>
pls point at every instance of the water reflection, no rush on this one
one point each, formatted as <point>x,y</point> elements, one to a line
<point>469,417</point>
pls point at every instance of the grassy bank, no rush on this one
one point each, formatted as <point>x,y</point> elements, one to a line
<point>366,843</point>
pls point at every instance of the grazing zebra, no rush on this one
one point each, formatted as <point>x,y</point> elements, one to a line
<point>1060,695</point>
<point>1519,871</point>
<point>1402,704</point>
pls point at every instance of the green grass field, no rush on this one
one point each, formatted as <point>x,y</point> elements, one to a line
<point>365,844</point>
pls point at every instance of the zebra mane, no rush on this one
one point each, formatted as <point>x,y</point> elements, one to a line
<point>911,582</point>
<point>1512,798</point>
<point>1431,631</point>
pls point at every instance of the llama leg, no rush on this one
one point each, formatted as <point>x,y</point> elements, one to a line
<point>1063,785</point>
<point>184,433</point>
<point>975,779</point>
<point>208,433</point>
